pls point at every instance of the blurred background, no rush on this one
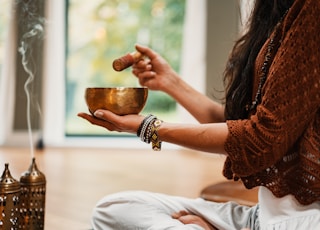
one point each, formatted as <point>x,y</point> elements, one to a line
<point>75,50</point>
<point>51,50</point>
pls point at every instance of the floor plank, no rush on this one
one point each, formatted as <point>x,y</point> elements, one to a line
<point>77,178</point>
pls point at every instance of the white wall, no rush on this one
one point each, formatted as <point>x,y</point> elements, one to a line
<point>7,84</point>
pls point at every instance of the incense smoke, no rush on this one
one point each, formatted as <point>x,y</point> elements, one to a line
<point>32,23</point>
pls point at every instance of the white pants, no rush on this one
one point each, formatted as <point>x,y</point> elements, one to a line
<point>152,211</point>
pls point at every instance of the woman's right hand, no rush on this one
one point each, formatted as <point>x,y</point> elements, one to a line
<point>154,72</point>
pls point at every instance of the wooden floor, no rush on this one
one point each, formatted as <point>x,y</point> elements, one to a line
<point>78,178</point>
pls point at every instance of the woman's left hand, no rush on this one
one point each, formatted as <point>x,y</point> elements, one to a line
<point>189,218</point>
<point>112,122</point>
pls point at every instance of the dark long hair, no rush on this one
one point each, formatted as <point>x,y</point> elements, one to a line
<point>238,75</point>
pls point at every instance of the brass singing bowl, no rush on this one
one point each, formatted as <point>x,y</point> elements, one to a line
<point>119,100</point>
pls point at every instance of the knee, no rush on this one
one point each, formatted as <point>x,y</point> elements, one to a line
<point>116,208</point>
<point>108,209</point>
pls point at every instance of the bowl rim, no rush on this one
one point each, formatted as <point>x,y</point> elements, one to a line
<point>118,87</point>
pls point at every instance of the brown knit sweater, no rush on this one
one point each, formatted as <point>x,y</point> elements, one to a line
<point>278,146</point>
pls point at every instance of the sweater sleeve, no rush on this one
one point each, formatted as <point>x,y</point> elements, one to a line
<point>290,98</point>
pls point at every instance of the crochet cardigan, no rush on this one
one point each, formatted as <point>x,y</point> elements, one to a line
<point>278,146</point>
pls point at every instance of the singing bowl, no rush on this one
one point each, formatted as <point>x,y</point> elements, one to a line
<point>119,100</point>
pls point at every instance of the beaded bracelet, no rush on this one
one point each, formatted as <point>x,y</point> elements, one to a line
<point>140,127</point>
<point>156,143</point>
<point>148,131</point>
<point>145,130</point>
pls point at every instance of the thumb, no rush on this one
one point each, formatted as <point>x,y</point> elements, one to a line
<point>104,114</point>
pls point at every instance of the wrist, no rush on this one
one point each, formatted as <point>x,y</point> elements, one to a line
<point>148,131</point>
<point>172,84</point>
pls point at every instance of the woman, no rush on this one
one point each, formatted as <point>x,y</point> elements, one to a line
<point>269,129</point>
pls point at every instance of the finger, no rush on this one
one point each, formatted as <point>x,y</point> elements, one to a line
<point>137,70</point>
<point>178,215</point>
<point>115,122</point>
<point>147,75</point>
<point>84,116</point>
<point>144,74</point>
<point>142,64</point>
<point>146,51</point>
<point>148,82</point>
<point>187,219</point>
<point>106,115</point>
<point>96,121</point>
<point>90,118</point>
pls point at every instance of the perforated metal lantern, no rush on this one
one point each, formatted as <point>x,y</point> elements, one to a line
<point>33,196</point>
<point>9,201</point>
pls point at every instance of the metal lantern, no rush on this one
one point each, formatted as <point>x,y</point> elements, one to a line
<point>33,194</point>
<point>9,201</point>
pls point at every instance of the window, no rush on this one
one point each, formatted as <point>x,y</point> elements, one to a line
<point>99,31</point>
<point>188,18</point>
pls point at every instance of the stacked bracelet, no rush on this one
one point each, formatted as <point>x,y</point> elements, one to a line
<point>148,131</point>
<point>145,133</point>
<point>142,124</point>
<point>156,143</point>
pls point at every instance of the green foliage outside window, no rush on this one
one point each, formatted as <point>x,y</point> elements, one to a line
<point>101,30</point>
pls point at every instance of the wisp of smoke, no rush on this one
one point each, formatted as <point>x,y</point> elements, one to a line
<point>35,31</point>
